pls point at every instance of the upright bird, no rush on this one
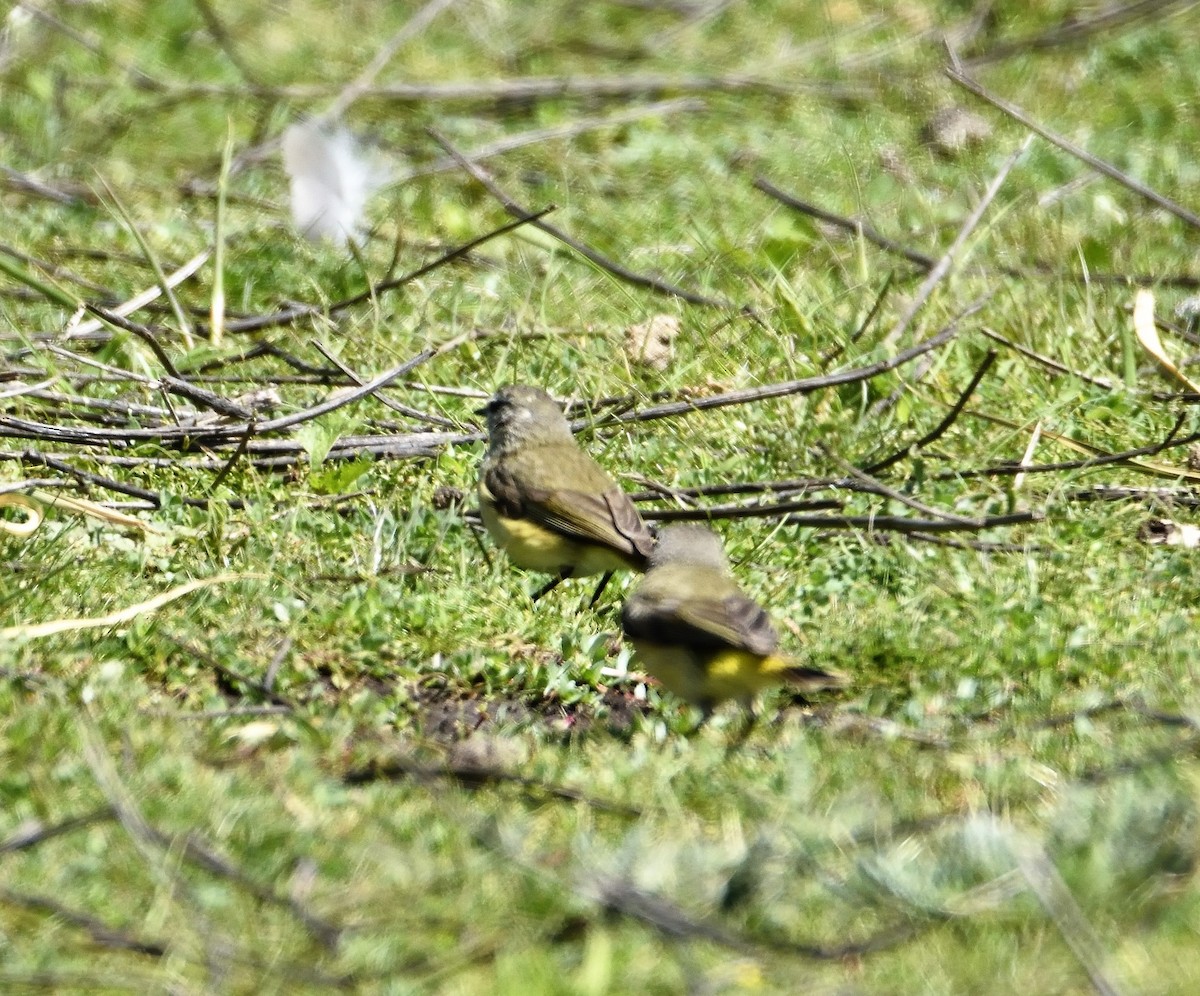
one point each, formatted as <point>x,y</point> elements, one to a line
<point>548,504</point>
<point>699,635</point>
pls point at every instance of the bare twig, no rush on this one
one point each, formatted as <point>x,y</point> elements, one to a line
<point>102,934</point>
<point>1021,116</point>
<point>475,775</point>
<point>948,259</point>
<point>860,228</point>
<point>25,839</point>
<point>1076,28</point>
<point>223,37</point>
<point>289,315</point>
<point>1046,361</point>
<point>362,83</point>
<point>804,386</point>
<point>523,90</point>
<point>590,254</point>
<point>889,523</point>
<point>1101,459</point>
<point>626,899</point>
<point>944,424</point>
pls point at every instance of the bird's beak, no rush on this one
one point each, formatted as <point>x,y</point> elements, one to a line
<point>484,410</point>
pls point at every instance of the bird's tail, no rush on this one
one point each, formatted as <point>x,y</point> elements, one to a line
<point>804,678</point>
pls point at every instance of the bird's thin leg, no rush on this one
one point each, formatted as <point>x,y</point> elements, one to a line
<point>604,579</point>
<point>749,723</point>
<point>550,585</point>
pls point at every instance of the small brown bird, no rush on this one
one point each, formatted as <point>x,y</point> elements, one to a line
<point>548,504</point>
<point>698,634</point>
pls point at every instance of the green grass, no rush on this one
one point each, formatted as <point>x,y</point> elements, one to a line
<point>1035,699</point>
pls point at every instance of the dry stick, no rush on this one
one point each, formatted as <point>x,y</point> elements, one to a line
<point>289,315</point>
<point>925,262</point>
<point>474,775</point>
<point>898,524</point>
<point>101,933</point>
<point>1046,361</point>
<point>523,90</point>
<point>860,228</point>
<point>31,838</point>
<point>223,38</point>
<point>33,482</point>
<point>1017,114</point>
<point>229,464</point>
<point>804,386</point>
<point>623,897</point>
<point>201,854</point>
<point>129,815</point>
<point>882,489</point>
<point>1047,884</point>
<point>395,406</point>
<point>367,389</point>
<point>96,480</point>
<point>362,83</point>
<point>943,425</point>
<point>26,184</point>
<point>1015,467</point>
<point>590,254</point>
<point>230,675</point>
<point>1074,29</point>
<point>58,272</point>
<point>982,546</point>
<point>800,485</point>
<point>110,373</point>
<point>93,44</point>
<point>521,140</point>
<point>141,331</point>
<point>1183,497</point>
<point>1189,746</point>
<point>74,402</point>
<point>715,513</point>
<point>943,265</point>
<point>866,323</point>
<point>23,428</point>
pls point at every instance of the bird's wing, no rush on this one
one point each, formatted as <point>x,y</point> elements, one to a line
<point>608,518</point>
<point>731,622</point>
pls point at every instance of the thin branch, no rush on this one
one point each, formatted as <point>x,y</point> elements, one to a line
<point>943,425</point>
<point>1021,116</point>
<point>475,775</point>
<point>25,839</point>
<point>1036,270</point>
<point>1075,28</point>
<point>287,316</point>
<point>889,523</point>
<point>590,254</point>
<point>363,82</point>
<point>101,933</point>
<point>1100,460</point>
<point>859,228</point>
<point>804,386</point>
<point>1045,361</point>
<point>948,259</point>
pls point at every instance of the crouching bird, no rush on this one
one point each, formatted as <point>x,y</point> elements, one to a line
<point>696,632</point>
<point>546,503</point>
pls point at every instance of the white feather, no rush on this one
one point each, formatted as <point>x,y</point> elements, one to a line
<point>332,180</point>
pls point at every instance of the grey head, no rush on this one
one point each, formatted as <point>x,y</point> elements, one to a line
<point>521,413</point>
<point>689,545</point>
